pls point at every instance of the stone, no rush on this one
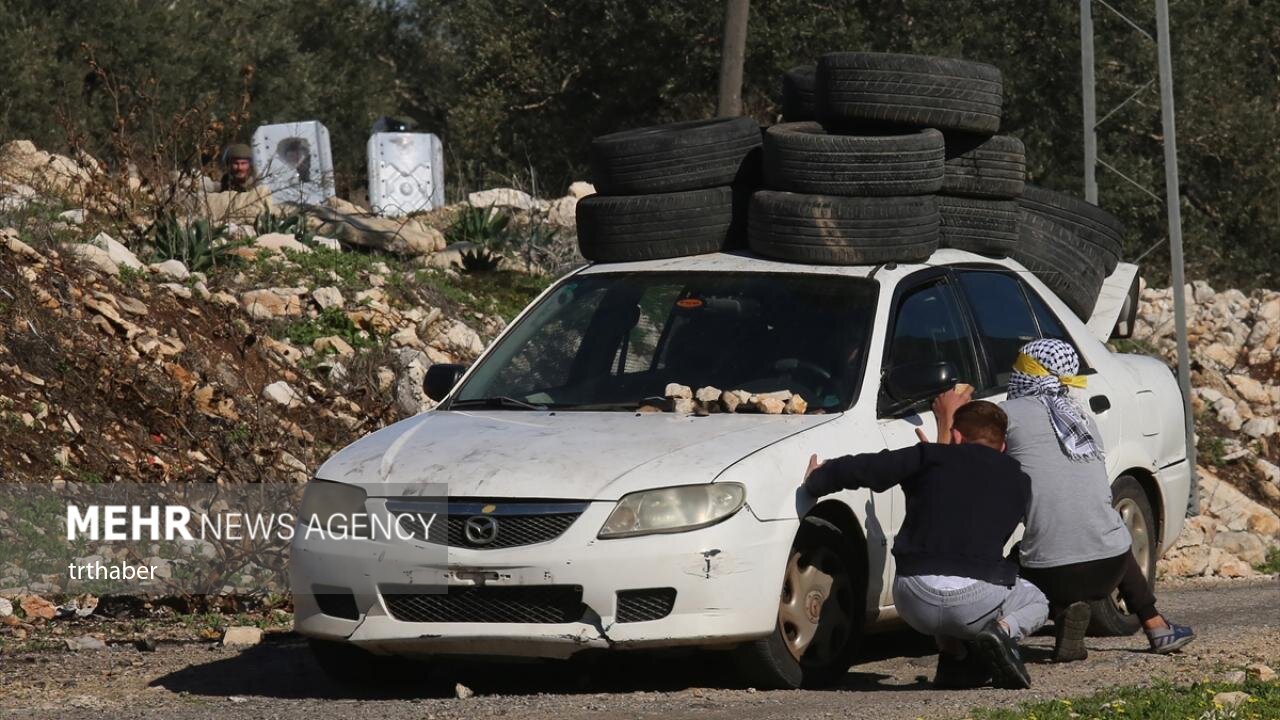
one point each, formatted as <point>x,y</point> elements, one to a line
<point>119,254</point>
<point>1259,427</point>
<point>783,395</point>
<point>95,257</point>
<point>1231,699</point>
<point>1261,672</point>
<point>411,396</point>
<point>75,216</point>
<point>581,188</point>
<point>506,198</point>
<point>1235,568</point>
<point>450,256</point>
<point>1250,390</point>
<point>1219,354</point>
<point>1235,677</point>
<point>282,349</point>
<point>676,390</point>
<point>796,405</point>
<point>242,208</point>
<point>171,269</point>
<point>355,226</point>
<point>769,405</point>
<point>270,303</point>
<point>6,607</point>
<point>1185,562</point>
<point>563,212</point>
<point>462,692</point>
<point>328,297</point>
<point>84,642</point>
<point>241,636</point>
<point>1246,546</point>
<point>708,394</point>
<point>335,344</point>
<point>327,243</point>
<point>464,339</point>
<point>34,606</point>
<point>279,242</point>
<point>385,378</point>
<point>22,162</point>
<point>17,247</point>
<point>683,405</point>
<point>406,337</point>
<point>729,402</point>
<point>282,393</point>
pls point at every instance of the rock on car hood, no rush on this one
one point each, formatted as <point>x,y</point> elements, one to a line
<point>566,455</point>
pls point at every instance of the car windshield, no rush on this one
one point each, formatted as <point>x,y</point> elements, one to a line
<point>611,341</point>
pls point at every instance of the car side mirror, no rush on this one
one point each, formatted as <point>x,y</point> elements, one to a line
<point>441,378</point>
<point>907,384</point>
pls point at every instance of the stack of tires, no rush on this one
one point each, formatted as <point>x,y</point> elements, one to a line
<point>669,190</point>
<point>881,158</point>
<point>902,159</point>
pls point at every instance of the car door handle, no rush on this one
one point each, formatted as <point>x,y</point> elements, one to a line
<point>1099,404</point>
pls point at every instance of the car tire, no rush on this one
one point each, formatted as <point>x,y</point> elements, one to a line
<point>769,663</point>
<point>832,230</point>
<point>621,228</point>
<point>1053,254</point>
<point>985,167</point>
<point>978,225</point>
<point>856,90</point>
<point>804,158</point>
<point>351,667</point>
<point>1108,618</point>
<point>797,94</point>
<point>676,157</point>
<point>1102,232</point>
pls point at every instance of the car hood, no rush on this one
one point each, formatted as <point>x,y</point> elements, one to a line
<point>579,455</point>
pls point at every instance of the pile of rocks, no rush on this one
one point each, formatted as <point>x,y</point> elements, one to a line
<point>707,400</point>
<point>1235,374</point>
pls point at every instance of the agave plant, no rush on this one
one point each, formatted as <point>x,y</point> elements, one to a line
<point>199,244</point>
<point>295,225</point>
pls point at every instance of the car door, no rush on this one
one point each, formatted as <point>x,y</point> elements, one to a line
<point>927,325</point>
<point>1007,313</point>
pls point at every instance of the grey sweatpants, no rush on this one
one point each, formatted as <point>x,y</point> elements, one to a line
<point>963,613</point>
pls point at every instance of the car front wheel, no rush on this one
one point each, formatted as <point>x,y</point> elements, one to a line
<point>821,612</point>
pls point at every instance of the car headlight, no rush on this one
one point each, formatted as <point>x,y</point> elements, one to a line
<point>332,507</point>
<point>673,509</point>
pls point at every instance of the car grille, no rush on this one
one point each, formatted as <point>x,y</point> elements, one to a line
<point>526,604</point>
<point>505,525</point>
<point>647,604</point>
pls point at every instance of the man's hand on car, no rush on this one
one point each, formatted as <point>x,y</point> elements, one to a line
<point>944,409</point>
<point>813,465</point>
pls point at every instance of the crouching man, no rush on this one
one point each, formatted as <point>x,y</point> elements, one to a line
<point>964,500</point>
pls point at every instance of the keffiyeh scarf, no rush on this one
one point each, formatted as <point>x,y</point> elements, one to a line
<point>1044,370</point>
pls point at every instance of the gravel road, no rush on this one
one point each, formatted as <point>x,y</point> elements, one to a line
<point>1238,623</point>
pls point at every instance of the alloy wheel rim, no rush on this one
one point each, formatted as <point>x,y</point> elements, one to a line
<point>1140,534</point>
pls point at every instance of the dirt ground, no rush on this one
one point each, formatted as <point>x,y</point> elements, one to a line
<point>1238,623</point>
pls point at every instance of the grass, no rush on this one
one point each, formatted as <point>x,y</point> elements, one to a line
<point>321,267</point>
<point>331,321</point>
<point>1271,564</point>
<point>502,292</point>
<point>1134,347</point>
<point>1161,702</point>
<point>1211,449</point>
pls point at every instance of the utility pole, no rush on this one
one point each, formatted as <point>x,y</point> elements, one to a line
<point>1173,205</point>
<point>1090,107</point>
<point>732,57</point>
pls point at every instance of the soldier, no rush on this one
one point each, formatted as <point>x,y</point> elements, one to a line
<point>237,163</point>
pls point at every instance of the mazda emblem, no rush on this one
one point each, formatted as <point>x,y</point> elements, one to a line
<point>480,529</point>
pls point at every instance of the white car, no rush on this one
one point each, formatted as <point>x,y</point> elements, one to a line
<point>576,522</point>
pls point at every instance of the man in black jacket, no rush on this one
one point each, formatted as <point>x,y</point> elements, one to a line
<point>964,500</point>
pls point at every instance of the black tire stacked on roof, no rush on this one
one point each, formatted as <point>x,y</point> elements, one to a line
<point>883,158</point>
<point>669,190</point>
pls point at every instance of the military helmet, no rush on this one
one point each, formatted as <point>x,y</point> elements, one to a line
<point>237,151</point>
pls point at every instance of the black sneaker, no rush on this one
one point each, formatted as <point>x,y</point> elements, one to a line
<point>1003,657</point>
<point>961,674</point>
<point>1070,629</point>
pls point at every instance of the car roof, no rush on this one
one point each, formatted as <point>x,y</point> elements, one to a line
<point>745,261</point>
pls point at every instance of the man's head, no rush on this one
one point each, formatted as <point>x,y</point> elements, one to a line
<point>238,160</point>
<point>980,422</point>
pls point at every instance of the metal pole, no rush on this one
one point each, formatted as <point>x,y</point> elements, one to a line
<point>1090,107</point>
<point>1173,204</point>
<point>732,57</point>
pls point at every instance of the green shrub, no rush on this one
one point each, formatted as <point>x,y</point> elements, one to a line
<point>199,244</point>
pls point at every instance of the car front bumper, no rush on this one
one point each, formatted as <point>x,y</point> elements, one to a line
<point>727,579</point>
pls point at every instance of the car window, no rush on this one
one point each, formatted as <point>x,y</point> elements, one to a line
<point>1005,321</point>
<point>1051,326</point>
<point>612,341</point>
<point>929,329</point>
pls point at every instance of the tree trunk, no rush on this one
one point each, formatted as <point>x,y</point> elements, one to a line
<point>735,47</point>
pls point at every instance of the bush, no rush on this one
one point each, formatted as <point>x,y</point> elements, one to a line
<point>199,244</point>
